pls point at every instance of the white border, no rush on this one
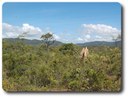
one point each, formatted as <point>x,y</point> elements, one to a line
<point>123,94</point>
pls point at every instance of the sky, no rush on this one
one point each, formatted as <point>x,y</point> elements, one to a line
<point>68,22</point>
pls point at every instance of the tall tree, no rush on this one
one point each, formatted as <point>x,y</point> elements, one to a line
<point>116,39</point>
<point>21,36</point>
<point>48,39</point>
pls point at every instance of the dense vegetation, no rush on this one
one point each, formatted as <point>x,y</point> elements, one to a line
<point>34,68</point>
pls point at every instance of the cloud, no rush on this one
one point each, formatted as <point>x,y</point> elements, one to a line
<point>88,32</point>
<point>87,36</point>
<point>84,38</point>
<point>79,39</point>
<point>99,28</point>
<point>10,31</point>
<point>31,29</point>
<point>98,37</point>
<point>98,32</point>
<point>56,36</point>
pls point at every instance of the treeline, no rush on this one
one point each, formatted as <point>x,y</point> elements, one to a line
<point>34,68</point>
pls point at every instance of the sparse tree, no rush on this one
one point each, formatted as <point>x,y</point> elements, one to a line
<point>119,37</point>
<point>48,39</point>
<point>116,39</point>
<point>21,36</point>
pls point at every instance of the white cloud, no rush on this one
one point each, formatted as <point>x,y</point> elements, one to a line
<point>31,32</point>
<point>98,32</point>
<point>10,31</point>
<point>99,28</point>
<point>56,36</point>
<point>87,36</point>
<point>83,39</point>
<point>98,37</point>
<point>89,32</point>
<point>65,40</point>
<point>31,29</point>
<point>79,39</point>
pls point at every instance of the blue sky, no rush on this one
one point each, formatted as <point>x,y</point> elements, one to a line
<point>69,22</point>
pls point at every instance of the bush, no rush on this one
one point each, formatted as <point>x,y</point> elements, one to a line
<point>32,68</point>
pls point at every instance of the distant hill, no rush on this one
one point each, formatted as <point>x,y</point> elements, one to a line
<point>100,43</point>
<point>30,42</point>
<point>56,43</point>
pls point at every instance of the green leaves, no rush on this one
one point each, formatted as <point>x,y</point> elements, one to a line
<point>31,68</point>
<point>48,39</point>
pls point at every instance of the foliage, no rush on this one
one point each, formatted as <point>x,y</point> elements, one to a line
<point>31,68</point>
<point>116,39</point>
<point>48,39</point>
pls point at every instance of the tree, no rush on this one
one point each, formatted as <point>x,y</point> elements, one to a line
<point>48,39</point>
<point>116,39</point>
<point>119,37</point>
<point>21,36</point>
<point>67,49</point>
